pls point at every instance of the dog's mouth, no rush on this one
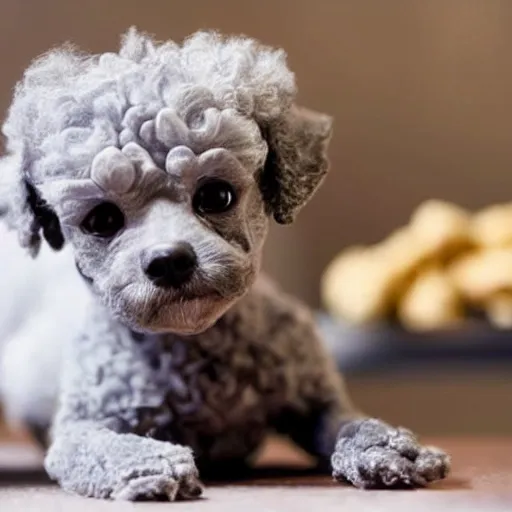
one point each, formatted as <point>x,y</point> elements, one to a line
<point>181,297</point>
<point>147,295</point>
<point>186,313</point>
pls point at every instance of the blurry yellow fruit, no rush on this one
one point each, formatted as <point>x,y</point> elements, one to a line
<point>431,302</point>
<point>482,274</point>
<point>441,227</point>
<point>354,287</point>
<point>499,310</point>
<point>428,271</point>
<point>492,227</point>
<point>400,253</point>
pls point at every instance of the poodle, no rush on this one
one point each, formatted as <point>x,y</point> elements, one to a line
<point>154,349</point>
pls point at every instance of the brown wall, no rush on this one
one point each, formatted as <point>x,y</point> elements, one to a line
<point>420,90</point>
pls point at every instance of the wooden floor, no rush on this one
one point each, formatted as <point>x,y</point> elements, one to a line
<point>481,481</point>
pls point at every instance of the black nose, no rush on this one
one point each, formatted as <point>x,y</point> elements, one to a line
<point>169,266</point>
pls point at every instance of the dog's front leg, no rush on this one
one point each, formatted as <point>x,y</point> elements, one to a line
<point>111,398</point>
<point>320,418</point>
<point>93,460</point>
<point>363,451</point>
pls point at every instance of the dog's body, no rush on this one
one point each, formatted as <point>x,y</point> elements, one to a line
<point>160,167</point>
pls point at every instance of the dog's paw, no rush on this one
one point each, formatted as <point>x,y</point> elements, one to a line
<point>432,463</point>
<point>372,454</point>
<point>173,476</point>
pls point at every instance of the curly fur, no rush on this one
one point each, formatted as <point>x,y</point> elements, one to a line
<point>156,384</point>
<point>69,106</point>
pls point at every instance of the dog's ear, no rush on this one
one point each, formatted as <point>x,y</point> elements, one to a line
<point>25,210</point>
<point>45,218</point>
<point>297,161</point>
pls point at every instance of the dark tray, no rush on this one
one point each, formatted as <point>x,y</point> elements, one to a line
<point>388,347</point>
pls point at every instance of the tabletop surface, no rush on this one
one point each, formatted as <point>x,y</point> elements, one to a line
<point>481,480</point>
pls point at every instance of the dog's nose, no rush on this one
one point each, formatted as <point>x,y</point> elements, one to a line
<point>169,266</point>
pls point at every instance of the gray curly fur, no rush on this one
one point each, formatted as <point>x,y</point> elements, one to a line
<point>162,383</point>
<point>70,106</point>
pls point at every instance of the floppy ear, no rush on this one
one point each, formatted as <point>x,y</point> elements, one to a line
<point>297,161</point>
<point>25,210</point>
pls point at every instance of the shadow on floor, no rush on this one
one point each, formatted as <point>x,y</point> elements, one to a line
<point>22,477</point>
<point>268,476</point>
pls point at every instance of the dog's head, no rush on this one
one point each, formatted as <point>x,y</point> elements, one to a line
<point>161,166</point>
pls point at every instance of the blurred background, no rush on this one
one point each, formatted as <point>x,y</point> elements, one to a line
<point>421,96</point>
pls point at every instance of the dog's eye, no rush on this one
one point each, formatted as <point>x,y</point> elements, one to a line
<point>105,220</point>
<point>213,196</point>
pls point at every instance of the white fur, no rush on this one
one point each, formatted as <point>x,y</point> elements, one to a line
<point>42,305</point>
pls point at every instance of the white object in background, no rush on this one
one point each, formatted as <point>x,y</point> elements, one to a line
<point>42,305</point>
